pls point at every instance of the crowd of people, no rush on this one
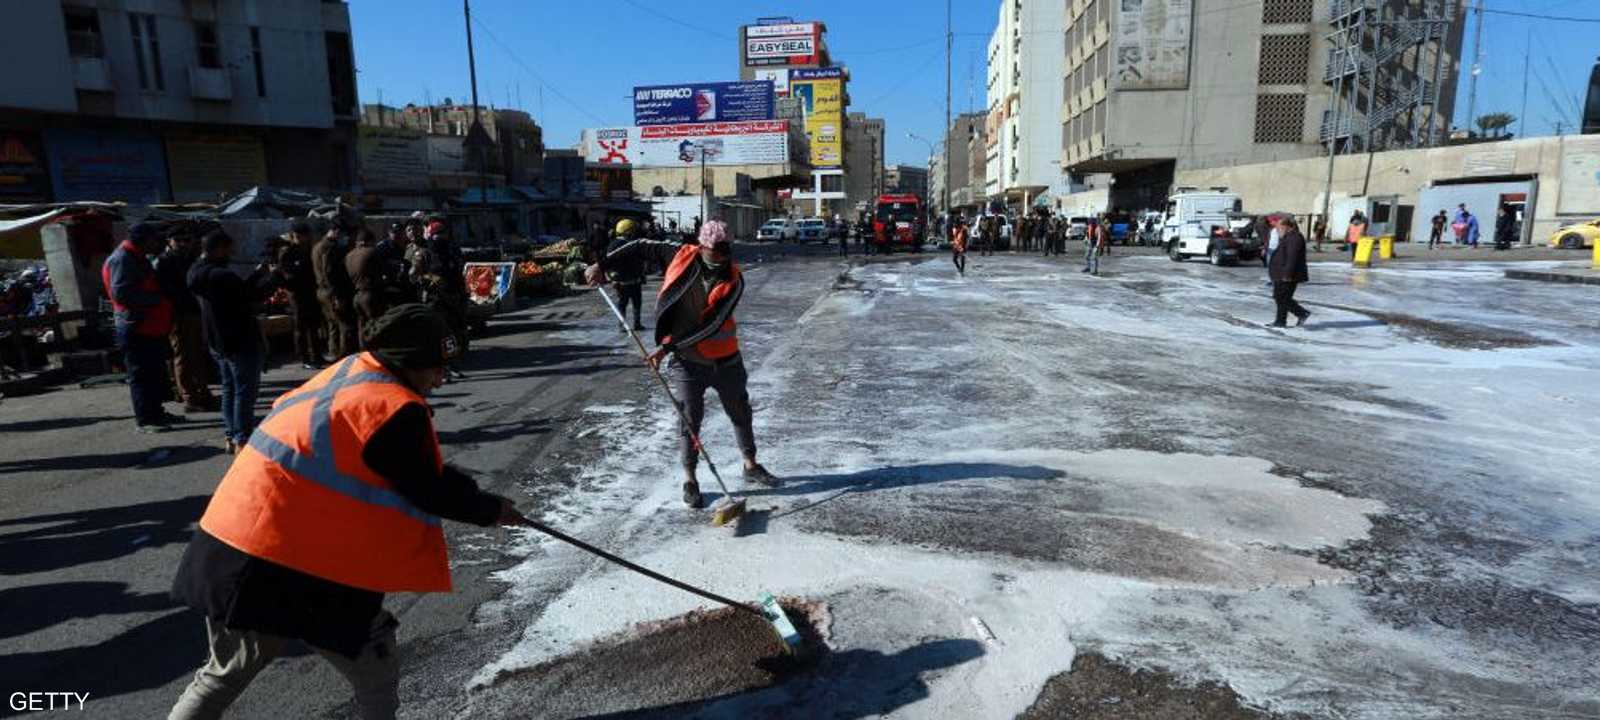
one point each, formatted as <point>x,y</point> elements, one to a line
<point>183,316</point>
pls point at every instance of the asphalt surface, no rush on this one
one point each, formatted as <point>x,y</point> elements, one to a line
<point>1026,490</point>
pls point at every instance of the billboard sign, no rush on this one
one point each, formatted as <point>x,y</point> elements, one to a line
<point>702,102</point>
<point>23,176</point>
<point>392,158</point>
<point>106,166</point>
<point>1150,47</point>
<point>756,142</point>
<point>821,92</point>
<point>779,77</point>
<point>782,44</point>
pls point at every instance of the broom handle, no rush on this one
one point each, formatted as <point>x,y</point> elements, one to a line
<point>647,572</point>
<point>684,418</point>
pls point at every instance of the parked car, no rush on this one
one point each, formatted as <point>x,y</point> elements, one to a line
<point>1576,236</point>
<point>1077,227</point>
<point>813,230</point>
<point>778,230</point>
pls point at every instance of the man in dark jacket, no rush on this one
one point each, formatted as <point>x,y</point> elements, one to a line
<point>255,607</point>
<point>190,371</point>
<point>335,293</point>
<point>143,321</point>
<point>1287,267</point>
<point>1505,228</point>
<point>295,273</point>
<point>231,331</point>
<point>695,325</point>
<point>627,274</point>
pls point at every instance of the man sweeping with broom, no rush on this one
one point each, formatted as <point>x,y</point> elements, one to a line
<point>695,325</point>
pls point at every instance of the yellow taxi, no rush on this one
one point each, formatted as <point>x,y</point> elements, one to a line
<point>1576,236</point>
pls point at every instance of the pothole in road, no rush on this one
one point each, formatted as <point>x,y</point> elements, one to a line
<point>1097,688</point>
<point>667,665</point>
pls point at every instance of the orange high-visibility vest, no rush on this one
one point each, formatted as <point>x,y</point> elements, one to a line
<point>716,344</point>
<point>300,495</point>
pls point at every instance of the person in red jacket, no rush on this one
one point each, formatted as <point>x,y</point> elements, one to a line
<point>143,320</point>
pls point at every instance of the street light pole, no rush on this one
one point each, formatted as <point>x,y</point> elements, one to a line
<point>949,39</point>
<point>472,73</point>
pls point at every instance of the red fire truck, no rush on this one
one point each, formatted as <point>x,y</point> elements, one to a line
<point>897,221</point>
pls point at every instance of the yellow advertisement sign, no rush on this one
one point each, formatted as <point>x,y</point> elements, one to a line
<point>823,100</point>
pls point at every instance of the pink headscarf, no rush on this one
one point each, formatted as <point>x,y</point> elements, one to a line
<point>712,233</point>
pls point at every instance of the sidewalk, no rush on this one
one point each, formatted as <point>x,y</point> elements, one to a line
<point>1577,273</point>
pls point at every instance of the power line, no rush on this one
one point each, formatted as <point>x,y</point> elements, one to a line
<point>1538,16</point>
<point>542,83</point>
<point>675,21</point>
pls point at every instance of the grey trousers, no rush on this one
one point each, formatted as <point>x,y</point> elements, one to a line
<point>238,656</point>
<point>691,380</point>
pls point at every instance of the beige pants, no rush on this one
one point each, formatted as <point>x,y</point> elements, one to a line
<point>237,656</point>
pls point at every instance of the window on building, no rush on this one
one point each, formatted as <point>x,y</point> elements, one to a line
<point>146,51</point>
<point>255,58</point>
<point>83,32</point>
<point>341,73</point>
<point>1284,59</point>
<point>208,52</point>
<point>1285,11</point>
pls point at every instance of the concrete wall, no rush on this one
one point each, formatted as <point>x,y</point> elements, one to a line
<point>1296,186</point>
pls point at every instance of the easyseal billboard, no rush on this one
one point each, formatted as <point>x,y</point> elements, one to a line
<point>702,102</point>
<point>782,44</point>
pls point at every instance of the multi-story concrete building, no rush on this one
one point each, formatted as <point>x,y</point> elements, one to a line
<point>518,154</point>
<point>162,100</point>
<point>958,147</point>
<point>906,179</point>
<point>863,152</point>
<point>1161,85</point>
<point>794,56</point>
<point>1024,94</point>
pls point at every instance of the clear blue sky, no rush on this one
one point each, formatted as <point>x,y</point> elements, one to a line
<point>574,64</point>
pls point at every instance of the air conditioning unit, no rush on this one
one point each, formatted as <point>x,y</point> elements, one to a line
<point>210,83</point>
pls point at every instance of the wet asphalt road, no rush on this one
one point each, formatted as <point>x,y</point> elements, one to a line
<point>1389,513</point>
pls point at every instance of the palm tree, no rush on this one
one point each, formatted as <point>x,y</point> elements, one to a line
<point>1496,123</point>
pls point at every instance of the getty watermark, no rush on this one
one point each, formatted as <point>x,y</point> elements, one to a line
<point>41,701</point>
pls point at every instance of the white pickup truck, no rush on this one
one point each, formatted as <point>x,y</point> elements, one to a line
<point>1196,223</point>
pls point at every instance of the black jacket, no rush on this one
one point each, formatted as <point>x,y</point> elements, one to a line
<point>1288,264</point>
<point>1505,230</point>
<point>225,301</point>
<point>172,272</point>
<point>627,268</point>
<point>244,592</point>
<point>296,274</point>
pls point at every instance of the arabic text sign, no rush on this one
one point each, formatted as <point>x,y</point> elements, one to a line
<point>738,143</point>
<point>787,44</point>
<point>702,102</point>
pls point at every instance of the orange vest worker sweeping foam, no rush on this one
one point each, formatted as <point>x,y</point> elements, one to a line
<point>695,325</point>
<point>335,500</point>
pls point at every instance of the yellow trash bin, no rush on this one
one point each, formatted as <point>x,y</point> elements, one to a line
<point>1597,256</point>
<point>1386,247</point>
<point>1364,252</point>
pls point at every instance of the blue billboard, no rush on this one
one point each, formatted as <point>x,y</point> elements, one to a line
<point>106,166</point>
<point>702,102</point>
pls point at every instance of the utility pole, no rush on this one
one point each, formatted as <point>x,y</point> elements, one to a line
<point>1341,55</point>
<point>949,41</point>
<point>1477,67</point>
<point>476,135</point>
<point>1522,116</point>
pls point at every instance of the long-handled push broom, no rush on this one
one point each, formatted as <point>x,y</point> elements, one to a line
<point>768,609</point>
<point>729,507</point>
